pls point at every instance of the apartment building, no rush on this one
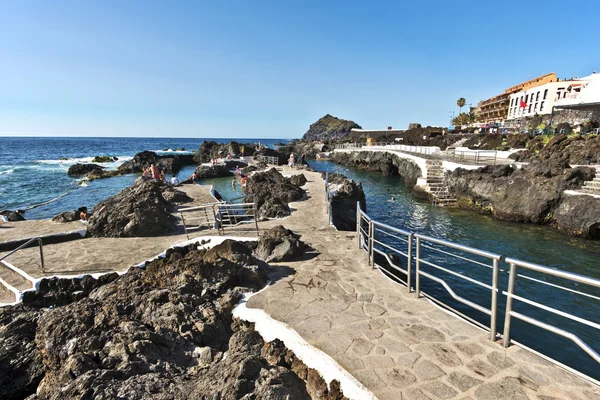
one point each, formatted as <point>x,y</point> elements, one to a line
<point>539,100</point>
<point>496,109</point>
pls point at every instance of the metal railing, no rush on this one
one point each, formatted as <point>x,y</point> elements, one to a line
<point>26,244</point>
<point>403,250</point>
<point>328,198</point>
<point>424,150</point>
<point>510,313</point>
<point>218,216</point>
<point>269,159</point>
<point>477,157</point>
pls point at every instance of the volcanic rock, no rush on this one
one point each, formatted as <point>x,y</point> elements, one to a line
<point>175,196</point>
<point>216,171</point>
<point>67,216</point>
<point>210,150</point>
<point>83,169</point>
<point>298,180</point>
<point>329,127</point>
<point>279,244</point>
<point>103,159</point>
<point>171,163</point>
<point>533,194</point>
<point>345,194</point>
<point>282,158</point>
<point>272,192</point>
<point>138,210</point>
<point>13,215</point>
<point>21,368</point>
<point>387,164</point>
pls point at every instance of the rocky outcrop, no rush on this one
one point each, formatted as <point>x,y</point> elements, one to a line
<point>206,172</point>
<point>104,159</point>
<point>210,150</point>
<point>83,169</point>
<point>329,127</point>
<point>345,194</point>
<point>138,210</point>
<point>175,196</point>
<point>21,368</point>
<point>578,216</point>
<point>310,149</point>
<point>164,332</point>
<point>298,179</point>
<point>272,192</point>
<point>67,216</point>
<point>279,244</point>
<point>533,194</point>
<point>386,163</point>
<point>13,216</point>
<point>171,163</point>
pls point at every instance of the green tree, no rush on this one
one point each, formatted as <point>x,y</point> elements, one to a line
<point>473,117</point>
<point>461,119</point>
<point>460,103</point>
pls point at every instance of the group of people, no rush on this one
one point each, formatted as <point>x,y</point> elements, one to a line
<point>292,160</point>
<point>238,173</point>
<point>155,172</point>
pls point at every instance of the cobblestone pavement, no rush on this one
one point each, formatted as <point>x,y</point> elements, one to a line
<point>398,346</point>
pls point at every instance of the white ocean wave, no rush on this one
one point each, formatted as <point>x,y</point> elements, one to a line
<point>67,162</point>
<point>172,151</point>
<point>7,172</point>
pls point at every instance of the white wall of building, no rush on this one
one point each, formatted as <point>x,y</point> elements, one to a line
<point>589,92</point>
<point>541,99</point>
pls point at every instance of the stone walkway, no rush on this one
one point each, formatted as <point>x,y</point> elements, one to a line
<point>398,346</point>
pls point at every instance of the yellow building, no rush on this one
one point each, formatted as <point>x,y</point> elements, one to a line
<point>371,141</point>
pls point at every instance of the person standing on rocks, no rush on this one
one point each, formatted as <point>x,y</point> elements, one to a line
<point>155,172</point>
<point>291,161</point>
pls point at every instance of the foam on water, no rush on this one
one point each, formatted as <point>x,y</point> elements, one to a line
<point>7,172</point>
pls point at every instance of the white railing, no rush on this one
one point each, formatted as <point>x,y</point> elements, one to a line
<point>424,150</point>
<point>218,216</point>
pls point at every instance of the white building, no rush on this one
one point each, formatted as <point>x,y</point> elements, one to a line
<point>539,100</point>
<point>588,92</point>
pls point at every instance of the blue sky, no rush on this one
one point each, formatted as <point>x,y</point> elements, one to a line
<point>270,69</point>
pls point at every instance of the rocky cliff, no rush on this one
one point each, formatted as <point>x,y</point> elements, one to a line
<point>329,127</point>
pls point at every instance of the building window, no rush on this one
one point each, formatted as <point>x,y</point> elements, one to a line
<point>526,98</point>
<point>542,106</point>
<point>535,107</point>
<point>537,96</point>
<point>529,109</point>
<point>545,94</point>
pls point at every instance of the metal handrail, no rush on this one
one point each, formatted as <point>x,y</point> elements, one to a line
<point>367,239</point>
<point>510,296</point>
<point>39,240</point>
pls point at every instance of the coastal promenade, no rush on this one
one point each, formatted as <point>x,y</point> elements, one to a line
<point>397,346</point>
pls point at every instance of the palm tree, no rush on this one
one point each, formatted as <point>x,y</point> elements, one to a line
<point>461,103</point>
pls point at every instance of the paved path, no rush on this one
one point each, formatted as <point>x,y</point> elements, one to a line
<point>398,346</point>
<point>10,231</point>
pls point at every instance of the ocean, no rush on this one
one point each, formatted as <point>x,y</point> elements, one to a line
<point>33,171</point>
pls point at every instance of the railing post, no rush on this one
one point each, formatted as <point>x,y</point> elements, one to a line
<point>509,300</point>
<point>494,308</point>
<point>370,241</point>
<point>373,245</point>
<point>409,262</point>
<point>358,221</point>
<point>42,255</point>
<point>418,269</point>
<point>255,218</point>
<point>184,227</point>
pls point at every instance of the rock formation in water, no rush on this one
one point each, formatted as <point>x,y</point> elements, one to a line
<point>279,244</point>
<point>329,127</point>
<point>138,210</point>
<point>84,169</point>
<point>162,332</point>
<point>533,194</point>
<point>345,194</point>
<point>13,215</point>
<point>272,192</point>
<point>387,164</point>
<point>210,150</point>
<point>171,163</point>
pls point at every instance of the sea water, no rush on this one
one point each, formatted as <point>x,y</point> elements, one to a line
<point>33,171</point>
